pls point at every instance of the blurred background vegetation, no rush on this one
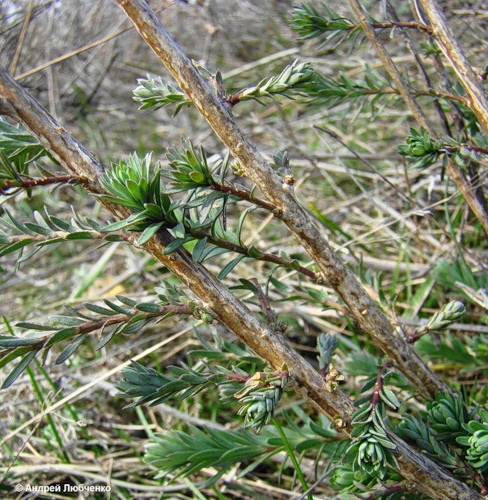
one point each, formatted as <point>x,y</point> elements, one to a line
<point>407,232</point>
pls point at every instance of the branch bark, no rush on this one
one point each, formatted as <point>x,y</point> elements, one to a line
<point>429,478</point>
<point>364,310</point>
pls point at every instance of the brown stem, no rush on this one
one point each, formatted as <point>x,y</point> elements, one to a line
<point>258,255</point>
<point>94,326</point>
<point>30,183</point>
<point>400,24</point>
<point>264,302</point>
<point>244,195</point>
<point>379,383</point>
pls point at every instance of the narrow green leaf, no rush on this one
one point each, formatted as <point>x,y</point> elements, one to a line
<point>149,232</point>
<point>70,349</point>
<point>229,267</point>
<point>174,245</point>
<point>16,246</point>
<point>103,311</point>
<point>20,367</point>
<point>9,341</point>
<point>34,326</point>
<point>64,334</point>
<point>81,235</point>
<point>148,307</point>
<point>198,249</point>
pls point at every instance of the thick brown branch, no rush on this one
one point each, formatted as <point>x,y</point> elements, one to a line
<point>365,311</point>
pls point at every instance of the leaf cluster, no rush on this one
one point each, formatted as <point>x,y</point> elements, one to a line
<point>125,317</point>
<point>136,184</point>
<point>258,394</point>
<point>371,448</point>
<point>425,151</point>
<point>47,230</point>
<point>443,426</point>
<point>18,148</point>
<point>477,441</point>
<point>374,89</point>
<point>325,24</point>
<point>293,80</point>
<point>154,93</point>
<point>177,453</point>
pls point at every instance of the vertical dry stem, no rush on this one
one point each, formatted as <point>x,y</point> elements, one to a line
<point>454,171</point>
<point>458,61</point>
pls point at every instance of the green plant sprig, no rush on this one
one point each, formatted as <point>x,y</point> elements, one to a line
<point>310,23</point>
<point>154,93</point>
<point>426,151</point>
<point>260,397</point>
<point>148,386</point>
<point>136,184</point>
<point>371,448</point>
<point>375,87</point>
<point>126,317</point>
<point>326,345</point>
<point>19,148</point>
<point>448,315</point>
<point>48,230</point>
<point>180,454</point>
<point>476,439</point>
<point>258,394</point>
<point>292,81</point>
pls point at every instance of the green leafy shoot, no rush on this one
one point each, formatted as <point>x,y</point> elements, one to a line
<point>477,441</point>
<point>136,184</point>
<point>19,147</point>
<point>375,89</point>
<point>443,426</point>
<point>178,453</point>
<point>449,314</point>
<point>294,80</point>
<point>148,386</point>
<point>415,430</point>
<point>426,151</point>
<point>326,24</point>
<point>154,93</point>
<point>126,317</point>
<point>189,168</point>
<point>47,230</point>
<point>326,345</point>
<point>371,448</point>
<point>260,396</point>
